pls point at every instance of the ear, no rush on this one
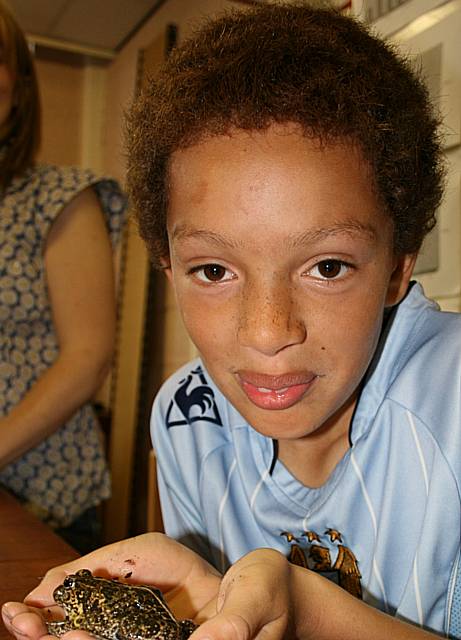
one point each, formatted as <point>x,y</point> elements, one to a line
<point>400,278</point>
<point>166,268</point>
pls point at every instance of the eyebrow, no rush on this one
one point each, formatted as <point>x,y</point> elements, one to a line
<point>185,232</point>
<point>352,229</point>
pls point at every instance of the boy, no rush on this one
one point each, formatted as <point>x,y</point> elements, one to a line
<point>285,167</point>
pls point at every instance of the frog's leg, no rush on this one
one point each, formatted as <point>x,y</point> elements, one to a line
<point>186,627</point>
<point>57,627</point>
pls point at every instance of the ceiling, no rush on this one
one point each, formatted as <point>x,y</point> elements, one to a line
<point>96,27</point>
<point>100,25</point>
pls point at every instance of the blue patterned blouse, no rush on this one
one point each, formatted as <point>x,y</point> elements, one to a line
<point>66,473</point>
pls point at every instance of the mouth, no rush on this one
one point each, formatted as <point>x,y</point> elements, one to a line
<point>275,392</point>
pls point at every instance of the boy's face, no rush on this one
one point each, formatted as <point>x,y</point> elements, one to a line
<point>282,264</point>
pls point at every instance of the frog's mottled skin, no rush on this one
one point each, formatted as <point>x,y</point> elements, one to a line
<point>112,610</point>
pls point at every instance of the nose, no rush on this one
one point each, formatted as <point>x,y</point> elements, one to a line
<point>269,318</point>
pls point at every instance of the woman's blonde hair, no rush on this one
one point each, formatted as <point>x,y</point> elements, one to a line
<point>20,135</point>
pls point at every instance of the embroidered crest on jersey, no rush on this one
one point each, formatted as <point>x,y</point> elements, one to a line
<point>193,400</point>
<point>317,556</point>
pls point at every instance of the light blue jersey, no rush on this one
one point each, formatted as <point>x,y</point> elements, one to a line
<point>386,524</point>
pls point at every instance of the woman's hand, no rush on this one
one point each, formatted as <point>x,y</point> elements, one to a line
<point>190,584</point>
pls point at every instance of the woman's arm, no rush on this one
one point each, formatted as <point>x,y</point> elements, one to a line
<point>79,270</point>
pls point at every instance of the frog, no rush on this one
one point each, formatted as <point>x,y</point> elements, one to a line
<point>109,609</point>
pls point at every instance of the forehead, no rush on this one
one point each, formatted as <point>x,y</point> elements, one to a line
<point>280,146</point>
<point>278,172</point>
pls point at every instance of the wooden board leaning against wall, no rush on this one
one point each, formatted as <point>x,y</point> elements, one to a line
<point>151,344</point>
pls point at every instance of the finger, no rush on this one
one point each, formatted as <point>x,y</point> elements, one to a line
<point>225,626</point>
<point>253,601</point>
<point>23,621</point>
<point>241,625</point>
<point>247,617</point>
<point>42,595</point>
<point>77,635</point>
<point>196,599</point>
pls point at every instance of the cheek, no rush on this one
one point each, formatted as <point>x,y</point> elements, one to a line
<point>212,329</point>
<point>361,331</point>
<point>346,340</point>
<point>206,327</point>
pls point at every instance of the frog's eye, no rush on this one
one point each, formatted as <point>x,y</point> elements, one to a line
<point>69,582</point>
<point>84,573</point>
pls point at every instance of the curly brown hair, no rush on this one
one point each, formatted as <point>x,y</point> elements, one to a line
<point>290,63</point>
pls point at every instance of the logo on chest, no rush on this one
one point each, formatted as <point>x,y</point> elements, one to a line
<point>326,555</point>
<point>193,400</point>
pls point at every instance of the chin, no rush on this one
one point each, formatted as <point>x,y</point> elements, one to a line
<point>279,424</point>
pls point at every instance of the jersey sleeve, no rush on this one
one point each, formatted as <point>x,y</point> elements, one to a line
<point>178,473</point>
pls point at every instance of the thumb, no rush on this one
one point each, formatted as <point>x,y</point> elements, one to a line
<point>253,601</point>
<point>227,625</point>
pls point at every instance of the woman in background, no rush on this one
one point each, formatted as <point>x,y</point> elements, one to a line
<point>57,311</point>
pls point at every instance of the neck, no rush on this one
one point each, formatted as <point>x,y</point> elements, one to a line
<point>313,458</point>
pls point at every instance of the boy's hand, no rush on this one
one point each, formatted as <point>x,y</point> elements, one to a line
<point>256,600</point>
<point>264,597</point>
<point>189,584</point>
<point>261,597</point>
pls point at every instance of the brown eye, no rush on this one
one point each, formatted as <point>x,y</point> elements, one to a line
<point>330,268</point>
<point>214,272</point>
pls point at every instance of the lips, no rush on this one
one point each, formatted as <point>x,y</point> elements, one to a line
<point>275,392</point>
